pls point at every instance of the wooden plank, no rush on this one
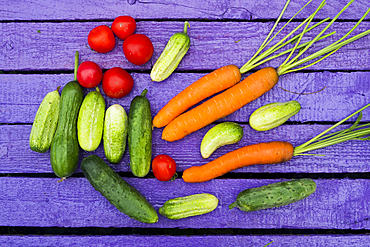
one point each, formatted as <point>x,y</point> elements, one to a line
<point>344,93</point>
<point>352,156</point>
<point>51,46</point>
<point>169,9</point>
<point>184,241</point>
<point>43,202</point>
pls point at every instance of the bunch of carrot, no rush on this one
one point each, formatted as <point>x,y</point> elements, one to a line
<point>237,95</point>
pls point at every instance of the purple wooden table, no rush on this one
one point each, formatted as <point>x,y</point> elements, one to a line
<point>37,46</point>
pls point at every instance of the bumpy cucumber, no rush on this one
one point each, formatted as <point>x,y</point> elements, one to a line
<point>273,115</point>
<point>171,56</point>
<point>140,135</point>
<point>119,193</point>
<point>220,135</point>
<point>90,121</point>
<point>45,123</point>
<point>274,195</point>
<point>183,207</point>
<point>64,151</point>
<point>115,133</point>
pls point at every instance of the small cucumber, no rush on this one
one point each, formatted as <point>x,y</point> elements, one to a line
<point>273,115</point>
<point>64,150</point>
<point>115,133</point>
<point>90,121</point>
<point>45,123</point>
<point>220,135</point>
<point>119,193</point>
<point>274,195</point>
<point>140,135</point>
<point>183,207</point>
<point>171,56</point>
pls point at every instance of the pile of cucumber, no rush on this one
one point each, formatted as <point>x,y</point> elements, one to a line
<point>70,121</point>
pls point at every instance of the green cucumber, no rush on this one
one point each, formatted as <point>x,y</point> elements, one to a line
<point>119,193</point>
<point>90,121</point>
<point>64,151</point>
<point>115,133</point>
<point>171,56</point>
<point>220,135</point>
<point>45,122</point>
<point>140,135</point>
<point>274,195</point>
<point>273,115</point>
<point>183,207</point>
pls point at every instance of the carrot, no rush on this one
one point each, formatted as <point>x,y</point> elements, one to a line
<point>254,85</point>
<point>217,80</point>
<point>275,152</point>
<point>206,86</point>
<point>221,105</point>
<point>262,153</point>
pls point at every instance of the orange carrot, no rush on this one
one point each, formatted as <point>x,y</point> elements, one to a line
<point>256,154</point>
<point>206,86</point>
<point>221,105</point>
<point>277,151</point>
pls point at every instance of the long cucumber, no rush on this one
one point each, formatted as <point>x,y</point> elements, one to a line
<point>274,195</point>
<point>140,135</point>
<point>119,193</point>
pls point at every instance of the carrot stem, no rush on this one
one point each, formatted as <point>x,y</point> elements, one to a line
<point>322,140</point>
<point>301,35</point>
<point>287,67</point>
<point>246,67</point>
<point>317,36</point>
<point>287,51</point>
<point>270,33</point>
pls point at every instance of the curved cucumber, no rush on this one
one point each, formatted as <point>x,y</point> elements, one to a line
<point>119,193</point>
<point>90,121</point>
<point>115,133</point>
<point>45,123</point>
<point>171,56</point>
<point>140,135</point>
<point>273,115</point>
<point>274,195</point>
<point>220,135</point>
<point>183,207</point>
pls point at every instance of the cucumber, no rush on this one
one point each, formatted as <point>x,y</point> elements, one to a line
<point>183,207</point>
<point>273,115</point>
<point>115,133</point>
<point>171,56</point>
<point>45,122</point>
<point>64,151</point>
<point>274,195</point>
<point>90,121</point>
<point>119,193</point>
<point>140,135</point>
<point>220,135</point>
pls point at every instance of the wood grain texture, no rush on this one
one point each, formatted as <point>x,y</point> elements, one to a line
<point>43,202</point>
<point>185,241</point>
<point>352,156</point>
<point>51,46</point>
<point>167,9</point>
<point>344,93</point>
